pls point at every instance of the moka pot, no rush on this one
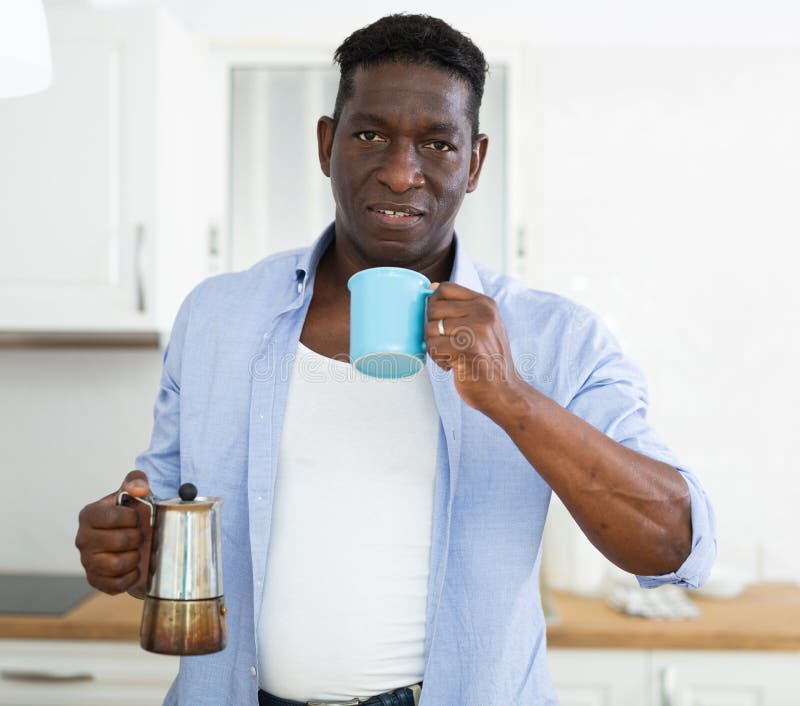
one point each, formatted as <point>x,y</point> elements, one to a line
<point>184,608</point>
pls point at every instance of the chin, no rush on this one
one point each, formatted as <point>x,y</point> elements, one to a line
<point>392,253</point>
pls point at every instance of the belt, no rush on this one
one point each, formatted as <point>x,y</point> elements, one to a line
<point>405,696</point>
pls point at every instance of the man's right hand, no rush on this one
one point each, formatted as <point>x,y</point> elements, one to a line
<point>114,540</point>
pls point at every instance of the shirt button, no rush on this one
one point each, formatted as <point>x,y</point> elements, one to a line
<point>299,287</point>
<point>253,671</point>
<point>260,498</point>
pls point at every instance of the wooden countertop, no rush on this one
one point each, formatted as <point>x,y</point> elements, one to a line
<point>764,617</point>
<point>99,617</point>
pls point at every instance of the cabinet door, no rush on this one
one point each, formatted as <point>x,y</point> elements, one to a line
<point>82,673</point>
<point>588,677</point>
<point>725,678</point>
<point>75,213</point>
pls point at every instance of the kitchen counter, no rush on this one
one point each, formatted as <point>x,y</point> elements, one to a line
<point>99,617</point>
<point>765,617</point>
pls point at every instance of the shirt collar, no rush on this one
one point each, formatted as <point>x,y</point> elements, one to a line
<point>310,257</point>
<point>463,273</point>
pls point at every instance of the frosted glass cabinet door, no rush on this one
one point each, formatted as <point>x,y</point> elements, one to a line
<point>71,255</point>
<point>279,197</point>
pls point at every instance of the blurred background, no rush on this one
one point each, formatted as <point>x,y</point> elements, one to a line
<point>644,160</point>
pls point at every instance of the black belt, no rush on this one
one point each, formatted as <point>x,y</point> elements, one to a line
<point>406,696</point>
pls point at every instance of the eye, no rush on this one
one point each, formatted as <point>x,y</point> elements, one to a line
<point>440,146</point>
<point>369,136</point>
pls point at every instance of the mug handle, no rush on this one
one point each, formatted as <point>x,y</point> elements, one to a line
<point>426,293</point>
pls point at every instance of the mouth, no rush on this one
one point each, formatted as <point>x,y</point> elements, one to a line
<point>402,215</point>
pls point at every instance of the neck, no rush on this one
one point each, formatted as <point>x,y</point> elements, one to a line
<point>338,266</point>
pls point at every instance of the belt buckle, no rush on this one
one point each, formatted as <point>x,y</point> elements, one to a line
<point>416,690</point>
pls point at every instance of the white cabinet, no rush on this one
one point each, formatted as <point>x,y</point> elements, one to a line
<point>102,222</point>
<point>82,673</point>
<point>599,677</point>
<point>725,678</point>
<point>616,677</point>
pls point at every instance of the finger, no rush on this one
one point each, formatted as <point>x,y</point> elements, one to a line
<point>448,325</point>
<point>441,360</point>
<point>139,587</point>
<point>440,348</point>
<point>110,565</point>
<point>459,333</point>
<point>451,348</point>
<point>136,483</point>
<point>451,290</point>
<point>449,308</point>
<point>110,499</point>
<point>114,541</point>
<point>113,585</point>
<point>102,515</point>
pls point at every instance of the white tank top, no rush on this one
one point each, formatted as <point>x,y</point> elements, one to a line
<point>345,592</point>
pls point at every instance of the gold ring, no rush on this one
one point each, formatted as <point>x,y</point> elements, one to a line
<point>440,326</point>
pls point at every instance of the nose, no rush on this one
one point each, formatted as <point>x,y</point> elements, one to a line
<point>400,169</point>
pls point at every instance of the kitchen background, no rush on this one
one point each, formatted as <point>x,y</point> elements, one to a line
<point>647,164</point>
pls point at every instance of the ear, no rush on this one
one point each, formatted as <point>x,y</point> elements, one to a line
<point>476,161</point>
<point>325,132</point>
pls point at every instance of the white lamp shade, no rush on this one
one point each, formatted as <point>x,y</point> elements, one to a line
<point>25,64</point>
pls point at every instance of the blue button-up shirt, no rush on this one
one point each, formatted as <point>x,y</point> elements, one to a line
<point>218,419</point>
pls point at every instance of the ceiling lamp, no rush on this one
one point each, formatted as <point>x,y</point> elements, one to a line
<point>25,65</point>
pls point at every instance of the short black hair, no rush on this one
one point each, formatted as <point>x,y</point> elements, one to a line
<point>412,39</point>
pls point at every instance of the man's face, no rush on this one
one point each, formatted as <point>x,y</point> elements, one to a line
<point>400,161</point>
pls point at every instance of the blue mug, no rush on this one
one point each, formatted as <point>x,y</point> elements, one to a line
<point>387,316</point>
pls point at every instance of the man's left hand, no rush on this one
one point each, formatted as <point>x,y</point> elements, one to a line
<point>474,345</point>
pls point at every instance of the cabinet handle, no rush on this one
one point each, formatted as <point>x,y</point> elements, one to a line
<point>34,677</point>
<point>138,264</point>
<point>668,696</point>
<point>213,241</point>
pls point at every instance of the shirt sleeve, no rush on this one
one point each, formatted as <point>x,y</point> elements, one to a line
<point>611,394</point>
<point>161,461</point>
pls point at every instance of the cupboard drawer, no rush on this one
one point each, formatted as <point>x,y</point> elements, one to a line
<point>82,673</point>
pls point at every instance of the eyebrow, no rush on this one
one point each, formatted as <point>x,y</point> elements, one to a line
<point>369,118</point>
<point>448,128</point>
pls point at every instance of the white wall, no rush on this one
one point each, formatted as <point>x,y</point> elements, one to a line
<point>71,423</point>
<point>660,187</point>
<point>539,22</point>
<point>667,185</point>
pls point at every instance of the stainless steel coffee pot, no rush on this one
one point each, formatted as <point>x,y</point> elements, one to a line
<point>184,609</point>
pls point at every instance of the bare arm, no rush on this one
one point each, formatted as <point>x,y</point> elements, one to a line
<point>634,509</point>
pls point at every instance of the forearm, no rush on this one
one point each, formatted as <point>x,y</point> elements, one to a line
<point>634,509</point>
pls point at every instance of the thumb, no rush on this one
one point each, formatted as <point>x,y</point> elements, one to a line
<point>136,484</point>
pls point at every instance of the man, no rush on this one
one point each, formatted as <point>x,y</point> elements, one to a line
<point>382,534</point>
